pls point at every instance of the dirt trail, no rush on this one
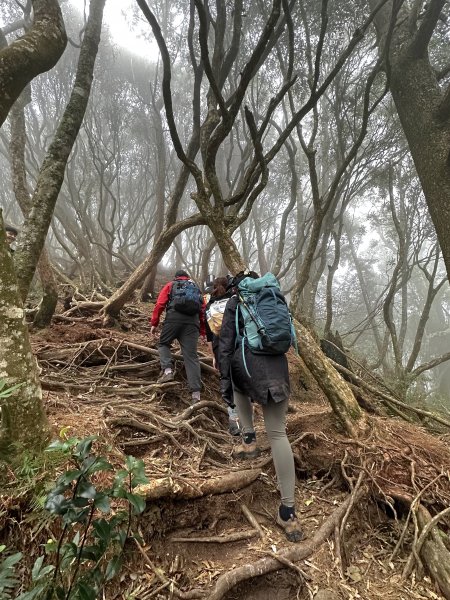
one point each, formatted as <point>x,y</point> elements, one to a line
<point>96,382</point>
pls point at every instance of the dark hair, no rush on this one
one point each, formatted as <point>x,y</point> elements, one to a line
<point>11,229</point>
<point>236,280</point>
<point>219,286</point>
<point>181,273</point>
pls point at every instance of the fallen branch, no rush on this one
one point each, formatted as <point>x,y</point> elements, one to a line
<point>432,549</point>
<point>169,487</point>
<point>252,520</point>
<point>218,539</point>
<point>300,551</point>
<point>386,398</point>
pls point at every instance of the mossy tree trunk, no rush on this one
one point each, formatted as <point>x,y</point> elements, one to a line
<point>35,52</point>
<point>23,197</point>
<point>23,422</point>
<point>339,394</point>
<point>112,307</point>
<point>422,106</point>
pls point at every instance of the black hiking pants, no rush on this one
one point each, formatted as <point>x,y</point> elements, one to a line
<point>187,334</point>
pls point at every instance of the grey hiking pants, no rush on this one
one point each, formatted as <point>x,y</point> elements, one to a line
<point>187,334</point>
<point>275,423</point>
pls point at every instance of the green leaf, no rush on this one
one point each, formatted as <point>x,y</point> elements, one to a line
<point>113,567</point>
<point>6,392</point>
<point>51,546</point>
<point>57,504</point>
<point>36,568</point>
<point>12,560</point>
<point>83,591</point>
<point>69,476</point>
<point>92,464</point>
<point>83,448</point>
<point>102,503</point>
<point>86,490</point>
<point>8,580</point>
<point>137,502</point>
<point>120,477</point>
<point>80,502</point>
<point>38,572</point>
<point>102,529</point>
<point>91,552</point>
<point>76,516</point>
<point>62,445</point>
<point>130,462</point>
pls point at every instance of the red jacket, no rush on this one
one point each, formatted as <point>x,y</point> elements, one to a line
<point>164,299</point>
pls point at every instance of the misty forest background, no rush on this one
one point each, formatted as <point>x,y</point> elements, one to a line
<point>342,220</point>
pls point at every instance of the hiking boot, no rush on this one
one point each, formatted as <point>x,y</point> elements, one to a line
<point>233,427</point>
<point>195,397</point>
<point>246,450</point>
<point>291,528</point>
<point>166,377</point>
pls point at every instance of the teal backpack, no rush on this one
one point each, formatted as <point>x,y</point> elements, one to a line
<point>268,327</point>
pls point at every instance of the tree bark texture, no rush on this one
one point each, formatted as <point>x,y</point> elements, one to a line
<point>434,553</point>
<point>184,488</point>
<point>421,105</point>
<point>51,175</point>
<point>160,247</point>
<point>35,52</point>
<point>339,394</point>
<point>23,420</point>
<point>22,194</point>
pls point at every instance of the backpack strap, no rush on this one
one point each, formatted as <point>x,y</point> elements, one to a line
<point>239,337</point>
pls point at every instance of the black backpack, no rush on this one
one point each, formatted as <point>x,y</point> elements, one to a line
<point>186,297</point>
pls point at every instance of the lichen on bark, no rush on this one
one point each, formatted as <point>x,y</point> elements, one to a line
<point>24,426</point>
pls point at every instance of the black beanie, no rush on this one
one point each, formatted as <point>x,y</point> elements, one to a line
<point>181,273</point>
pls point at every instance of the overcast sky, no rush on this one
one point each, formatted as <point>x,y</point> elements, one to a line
<point>118,16</point>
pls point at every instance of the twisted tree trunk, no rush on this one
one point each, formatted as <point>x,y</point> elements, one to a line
<point>37,51</point>
<point>32,238</point>
<point>23,420</point>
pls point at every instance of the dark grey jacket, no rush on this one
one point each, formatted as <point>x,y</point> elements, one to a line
<point>269,373</point>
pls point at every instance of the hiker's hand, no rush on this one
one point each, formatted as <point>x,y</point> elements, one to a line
<point>226,390</point>
<point>153,329</point>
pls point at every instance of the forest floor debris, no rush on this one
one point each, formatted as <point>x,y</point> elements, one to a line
<point>209,526</point>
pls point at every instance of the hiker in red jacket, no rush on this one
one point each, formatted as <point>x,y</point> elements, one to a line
<point>185,321</point>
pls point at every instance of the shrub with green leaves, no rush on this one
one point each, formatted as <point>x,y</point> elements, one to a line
<point>96,524</point>
<point>8,579</point>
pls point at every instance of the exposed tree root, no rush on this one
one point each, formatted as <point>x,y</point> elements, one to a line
<point>432,549</point>
<point>298,552</point>
<point>389,400</point>
<point>218,539</point>
<point>187,455</point>
<point>181,488</point>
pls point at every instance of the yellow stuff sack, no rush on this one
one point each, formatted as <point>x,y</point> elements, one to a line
<point>214,315</point>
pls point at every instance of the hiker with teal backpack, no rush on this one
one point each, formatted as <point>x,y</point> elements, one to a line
<point>256,333</point>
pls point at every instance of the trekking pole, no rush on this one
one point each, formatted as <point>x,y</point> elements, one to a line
<point>260,328</point>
